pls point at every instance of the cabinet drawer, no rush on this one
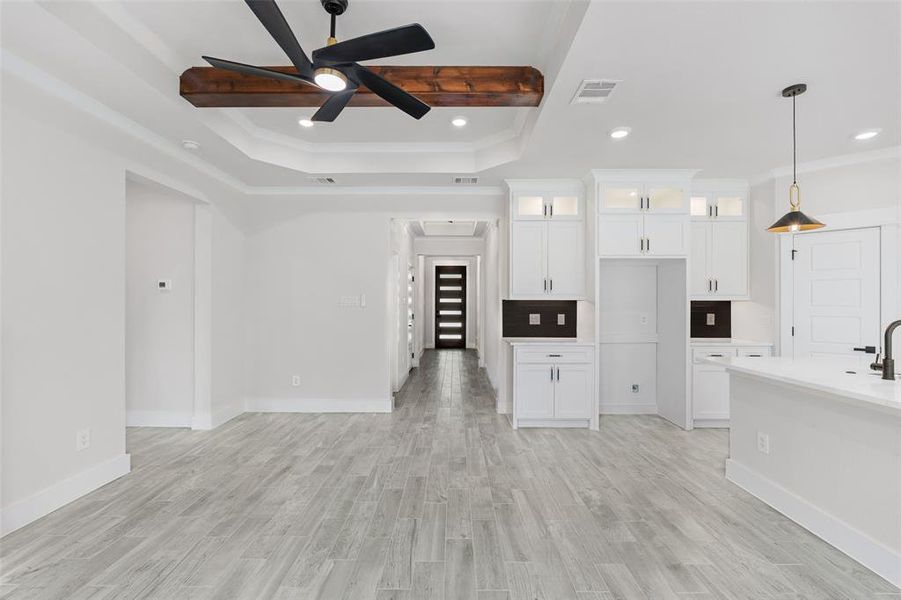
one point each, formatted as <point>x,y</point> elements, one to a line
<point>699,354</point>
<point>554,354</point>
<point>755,352</point>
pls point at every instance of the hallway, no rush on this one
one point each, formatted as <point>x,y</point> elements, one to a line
<point>442,499</point>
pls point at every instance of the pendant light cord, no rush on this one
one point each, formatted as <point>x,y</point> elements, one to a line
<point>794,143</point>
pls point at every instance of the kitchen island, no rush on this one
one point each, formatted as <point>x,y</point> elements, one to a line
<point>822,445</point>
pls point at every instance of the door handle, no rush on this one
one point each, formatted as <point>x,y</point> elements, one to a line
<point>867,349</point>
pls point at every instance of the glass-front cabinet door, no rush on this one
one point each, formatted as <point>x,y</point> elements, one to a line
<point>620,197</point>
<point>529,206</point>
<point>662,198</point>
<point>699,206</point>
<point>728,206</point>
<point>564,207</point>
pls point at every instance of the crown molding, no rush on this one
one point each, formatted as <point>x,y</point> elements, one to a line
<point>376,190</point>
<point>833,162</point>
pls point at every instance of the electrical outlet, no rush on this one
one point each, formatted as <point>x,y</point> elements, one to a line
<point>711,319</point>
<point>634,388</point>
<point>82,439</point>
<point>763,442</point>
<point>561,319</point>
<point>295,380</point>
<point>534,318</point>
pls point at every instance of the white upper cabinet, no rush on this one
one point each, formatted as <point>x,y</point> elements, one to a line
<point>719,240</point>
<point>547,240</point>
<point>642,213</point>
<point>719,200</point>
<point>650,197</point>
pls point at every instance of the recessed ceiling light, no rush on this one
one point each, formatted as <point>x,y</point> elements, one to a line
<point>459,121</point>
<point>620,132</point>
<point>869,134</point>
<point>190,145</point>
<point>305,122</point>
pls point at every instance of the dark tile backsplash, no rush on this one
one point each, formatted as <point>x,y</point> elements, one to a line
<point>722,319</point>
<point>516,318</point>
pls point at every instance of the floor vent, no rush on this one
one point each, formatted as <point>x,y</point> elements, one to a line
<point>594,91</point>
<point>466,180</point>
<point>322,180</point>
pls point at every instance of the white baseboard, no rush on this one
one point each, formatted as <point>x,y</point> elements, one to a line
<point>157,418</point>
<point>710,423</point>
<point>46,501</point>
<point>202,421</point>
<point>872,554</point>
<point>504,408</point>
<point>628,409</point>
<point>316,405</point>
<point>226,414</point>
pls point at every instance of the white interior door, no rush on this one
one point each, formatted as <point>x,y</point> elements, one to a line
<point>566,258</point>
<point>836,295</point>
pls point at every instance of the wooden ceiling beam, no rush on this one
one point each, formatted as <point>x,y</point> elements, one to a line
<point>436,86</point>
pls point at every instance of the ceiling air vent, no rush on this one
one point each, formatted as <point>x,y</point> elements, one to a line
<point>594,91</point>
<point>322,180</point>
<point>462,180</point>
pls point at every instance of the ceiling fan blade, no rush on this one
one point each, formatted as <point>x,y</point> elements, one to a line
<point>332,107</point>
<point>391,42</point>
<point>408,103</point>
<point>269,14</point>
<point>257,71</point>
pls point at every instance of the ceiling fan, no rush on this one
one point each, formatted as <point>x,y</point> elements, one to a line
<point>335,67</point>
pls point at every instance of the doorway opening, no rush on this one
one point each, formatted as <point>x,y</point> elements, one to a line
<point>450,306</point>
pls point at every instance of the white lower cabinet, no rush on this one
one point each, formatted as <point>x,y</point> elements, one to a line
<point>553,385</point>
<point>710,383</point>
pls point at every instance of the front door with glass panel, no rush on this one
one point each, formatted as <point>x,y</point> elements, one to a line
<point>450,307</point>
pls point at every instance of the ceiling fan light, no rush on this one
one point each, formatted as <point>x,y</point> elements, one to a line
<point>329,79</point>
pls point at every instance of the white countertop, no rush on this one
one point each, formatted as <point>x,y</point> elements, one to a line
<point>865,387</point>
<point>728,342</point>
<point>524,341</point>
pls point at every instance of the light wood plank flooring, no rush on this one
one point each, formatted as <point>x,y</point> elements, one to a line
<point>441,499</point>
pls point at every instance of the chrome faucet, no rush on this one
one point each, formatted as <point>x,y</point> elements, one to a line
<point>887,366</point>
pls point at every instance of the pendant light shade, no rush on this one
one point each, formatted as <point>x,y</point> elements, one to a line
<point>794,219</point>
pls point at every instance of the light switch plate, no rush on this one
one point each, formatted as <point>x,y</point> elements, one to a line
<point>534,319</point>
<point>561,319</point>
<point>711,318</point>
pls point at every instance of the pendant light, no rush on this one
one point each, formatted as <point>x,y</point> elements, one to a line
<point>794,219</point>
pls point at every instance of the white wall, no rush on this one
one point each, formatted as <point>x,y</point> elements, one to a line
<point>159,325</point>
<point>64,316</point>
<point>401,260</point>
<point>305,254</point>
<point>63,295</point>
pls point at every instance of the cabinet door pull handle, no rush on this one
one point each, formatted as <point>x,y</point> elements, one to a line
<point>554,355</point>
<point>754,355</point>
<point>716,285</point>
<point>709,285</point>
<point>545,285</point>
<point>647,244</point>
<point>545,210</point>
<point>641,244</point>
<point>716,355</point>
<point>552,284</point>
<point>552,373</point>
<point>716,210</point>
<point>558,373</point>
